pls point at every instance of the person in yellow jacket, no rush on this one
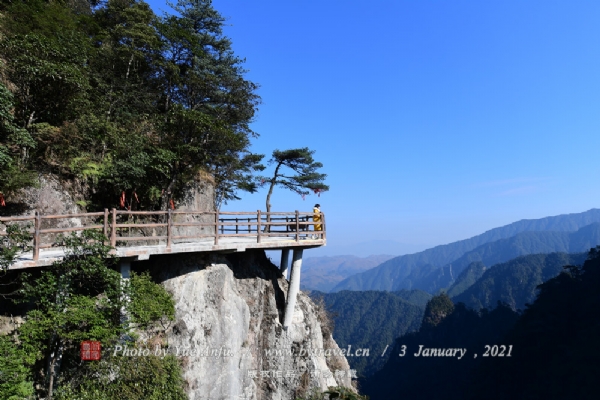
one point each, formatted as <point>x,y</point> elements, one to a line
<point>317,218</point>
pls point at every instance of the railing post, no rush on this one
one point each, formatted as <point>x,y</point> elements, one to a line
<point>113,228</point>
<point>37,224</point>
<point>236,226</point>
<point>249,225</point>
<point>297,227</point>
<point>105,229</point>
<point>169,228</point>
<point>216,228</point>
<point>323,226</point>
<point>258,217</point>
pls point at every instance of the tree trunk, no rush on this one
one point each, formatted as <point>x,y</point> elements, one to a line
<point>166,196</point>
<point>56,358</point>
<point>30,120</point>
<point>273,182</point>
<point>129,68</point>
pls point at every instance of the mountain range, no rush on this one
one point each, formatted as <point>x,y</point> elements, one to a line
<point>513,283</point>
<point>367,248</point>
<point>547,351</point>
<point>323,273</point>
<point>438,267</point>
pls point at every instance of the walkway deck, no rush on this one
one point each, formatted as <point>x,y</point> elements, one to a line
<point>175,232</point>
<point>226,245</point>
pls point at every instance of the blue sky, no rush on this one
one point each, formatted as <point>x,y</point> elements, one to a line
<point>435,120</point>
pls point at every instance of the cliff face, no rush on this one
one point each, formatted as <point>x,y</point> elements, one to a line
<point>50,196</point>
<point>229,311</point>
<point>198,196</point>
<point>228,330</point>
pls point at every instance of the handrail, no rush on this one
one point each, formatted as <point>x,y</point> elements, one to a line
<point>115,223</point>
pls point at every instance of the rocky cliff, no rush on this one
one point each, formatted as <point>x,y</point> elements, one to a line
<point>228,329</point>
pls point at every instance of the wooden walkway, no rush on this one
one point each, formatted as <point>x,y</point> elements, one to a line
<point>140,234</point>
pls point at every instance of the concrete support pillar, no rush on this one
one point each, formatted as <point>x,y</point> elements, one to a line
<point>285,262</point>
<point>125,268</point>
<point>293,288</point>
<point>125,265</point>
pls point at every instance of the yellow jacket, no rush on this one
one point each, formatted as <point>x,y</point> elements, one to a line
<point>317,218</point>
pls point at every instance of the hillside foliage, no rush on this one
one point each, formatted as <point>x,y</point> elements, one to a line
<point>557,342</point>
<point>445,326</point>
<point>78,299</point>
<point>372,320</point>
<point>123,100</point>
<point>515,282</point>
<point>553,344</point>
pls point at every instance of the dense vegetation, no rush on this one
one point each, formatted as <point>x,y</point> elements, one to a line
<point>444,326</point>
<point>78,299</point>
<point>123,100</point>
<point>554,346</point>
<point>556,342</point>
<point>515,282</point>
<point>467,278</point>
<point>373,320</point>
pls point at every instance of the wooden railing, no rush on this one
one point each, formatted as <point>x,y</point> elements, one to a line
<point>171,226</point>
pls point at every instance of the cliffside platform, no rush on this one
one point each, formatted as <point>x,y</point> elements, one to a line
<point>138,253</point>
<point>170,232</point>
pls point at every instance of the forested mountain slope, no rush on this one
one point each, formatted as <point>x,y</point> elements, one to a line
<point>515,282</point>
<point>506,249</point>
<point>444,326</point>
<point>131,109</point>
<point>423,270</point>
<point>467,277</point>
<point>555,341</point>
<point>373,320</point>
<point>549,351</point>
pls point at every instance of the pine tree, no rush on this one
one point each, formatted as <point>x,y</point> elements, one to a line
<point>306,177</point>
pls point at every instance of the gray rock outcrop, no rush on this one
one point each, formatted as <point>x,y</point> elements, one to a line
<point>51,196</point>
<point>198,196</point>
<point>228,330</point>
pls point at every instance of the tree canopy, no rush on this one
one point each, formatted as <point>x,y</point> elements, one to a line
<point>83,298</point>
<point>304,175</point>
<point>123,100</point>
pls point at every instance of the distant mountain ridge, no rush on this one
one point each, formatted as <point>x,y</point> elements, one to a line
<point>562,316</point>
<point>515,282</point>
<point>323,273</point>
<point>503,250</point>
<point>368,248</point>
<point>443,263</point>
